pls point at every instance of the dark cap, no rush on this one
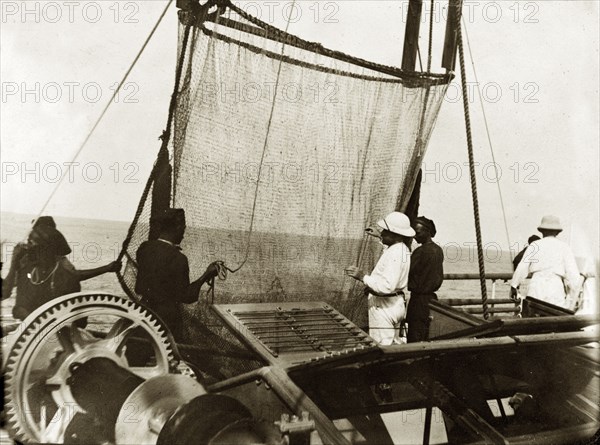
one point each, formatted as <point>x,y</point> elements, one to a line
<point>427,223</point>
<point>170,217</point>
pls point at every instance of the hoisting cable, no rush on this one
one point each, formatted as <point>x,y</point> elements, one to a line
<point>419,142</point>
<point>430,45</point>
<point>419,55</point>
<point>109,103</point>
<point>430,48</point>
<point>487,130</point>
<point>165,139</point>
<point>472,173</point>
<point>222,269</point>
<point>264,151</point>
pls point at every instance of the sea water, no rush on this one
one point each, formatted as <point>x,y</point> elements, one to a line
<point>95,243</point>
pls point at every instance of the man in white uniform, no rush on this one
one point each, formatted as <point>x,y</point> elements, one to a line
<point>387,283</point>
<point>555,276</point>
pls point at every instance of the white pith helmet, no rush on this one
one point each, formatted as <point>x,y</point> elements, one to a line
<point>398,223</point>
<point>550,222</point>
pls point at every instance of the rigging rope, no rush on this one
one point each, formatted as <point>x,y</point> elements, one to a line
<point>165,140</point>
<point>472,173</point>
<point>430,49</point>
<point>264,150</point>
<point>419,54</point>
<point>430,44</point>
<point>487,130</point>
<point>419,141</point>
<point>110,101</point>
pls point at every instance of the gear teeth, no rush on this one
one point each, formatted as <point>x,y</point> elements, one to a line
<point>42,324</point>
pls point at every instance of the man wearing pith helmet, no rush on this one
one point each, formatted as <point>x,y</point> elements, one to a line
<point>386,284</point>
<point>555,276</point>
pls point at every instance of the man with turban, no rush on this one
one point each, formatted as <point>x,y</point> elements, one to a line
<point>42,272</point>
<point>424,279</point>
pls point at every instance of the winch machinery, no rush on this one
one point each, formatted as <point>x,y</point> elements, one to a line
<point>98,368</point>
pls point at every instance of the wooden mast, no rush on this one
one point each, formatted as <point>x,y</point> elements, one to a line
<point>411,35</point>
<point>451,38</point>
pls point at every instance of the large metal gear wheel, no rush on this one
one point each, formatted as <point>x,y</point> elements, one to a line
<point>39,404</point>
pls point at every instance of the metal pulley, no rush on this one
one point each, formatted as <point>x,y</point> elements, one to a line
<point>147,409</point>
<point>216,419</point>
<point>117,381</point>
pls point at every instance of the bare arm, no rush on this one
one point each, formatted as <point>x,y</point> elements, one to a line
<point>86,274</point>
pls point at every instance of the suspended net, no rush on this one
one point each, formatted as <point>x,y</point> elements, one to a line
<point>282,153</point>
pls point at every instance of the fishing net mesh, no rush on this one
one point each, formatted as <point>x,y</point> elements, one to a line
<point>282,155</point>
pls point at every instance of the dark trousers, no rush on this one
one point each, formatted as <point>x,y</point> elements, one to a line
<point>417,316</point>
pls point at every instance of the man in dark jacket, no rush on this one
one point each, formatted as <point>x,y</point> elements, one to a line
<point>425,278</point>
<point>163,278</point>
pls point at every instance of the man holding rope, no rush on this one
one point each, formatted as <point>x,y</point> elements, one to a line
<point>386,284</point>
<point>163,278</point>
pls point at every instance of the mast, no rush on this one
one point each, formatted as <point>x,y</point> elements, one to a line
<point>411,35</point>
<point>452,33</point>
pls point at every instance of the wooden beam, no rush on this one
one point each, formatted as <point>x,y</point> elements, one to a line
<point>475,276</point>
<point>411,35</point>
<point>475,301</point>
<point>492,310</point>
<point>451,39</point>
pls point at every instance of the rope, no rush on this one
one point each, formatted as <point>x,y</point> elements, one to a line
<point>289,39</point>
<point>110,101</point>
<point>415,160</point>
<point>430,48</point>
<point>222,270</point>
<point>473,179</point>
<point>419,56</point>
<point>487,130</point>
<point>264,151</point>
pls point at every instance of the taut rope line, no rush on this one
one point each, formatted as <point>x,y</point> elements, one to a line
<point>264,151</point>
<point>487,130</point>
<point>107,106</point>
<point>473,179</point>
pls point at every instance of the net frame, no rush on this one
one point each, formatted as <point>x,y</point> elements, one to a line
<point>214,25</point>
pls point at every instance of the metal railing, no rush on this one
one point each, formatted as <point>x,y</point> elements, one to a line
<point>496,305</point>
<point>467,303</point>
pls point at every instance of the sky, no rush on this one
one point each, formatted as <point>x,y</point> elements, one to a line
<point>537,66</point>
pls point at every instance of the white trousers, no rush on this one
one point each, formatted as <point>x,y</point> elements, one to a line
<point>385,316</point>
<point>548,287</point>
